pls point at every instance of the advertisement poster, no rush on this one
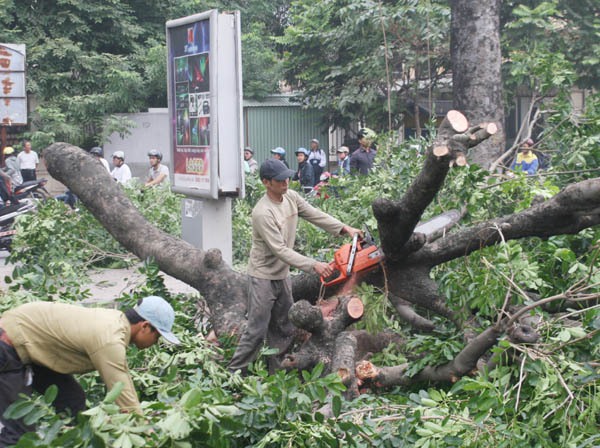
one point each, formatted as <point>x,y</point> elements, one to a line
<point>189,62</point>
<point>13,97</point>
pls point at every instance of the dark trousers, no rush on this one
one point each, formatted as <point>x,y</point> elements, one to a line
<point>28,175</point>
<point>16,378</point>
<point>269,302</point>
<point>68,198</point>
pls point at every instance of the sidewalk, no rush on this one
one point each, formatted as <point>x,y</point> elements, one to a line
<point>108,284</point>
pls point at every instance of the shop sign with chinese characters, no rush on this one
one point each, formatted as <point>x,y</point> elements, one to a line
<point>13,97</point>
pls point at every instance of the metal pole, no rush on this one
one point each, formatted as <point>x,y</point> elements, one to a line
<point>3,138</point>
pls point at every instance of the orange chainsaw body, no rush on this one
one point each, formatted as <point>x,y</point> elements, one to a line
<point>367,257</point>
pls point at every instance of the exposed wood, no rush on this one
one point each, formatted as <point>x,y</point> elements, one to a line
<point>441,151</point>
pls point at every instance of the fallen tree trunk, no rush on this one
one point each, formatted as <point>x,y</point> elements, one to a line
<point>405,275</point>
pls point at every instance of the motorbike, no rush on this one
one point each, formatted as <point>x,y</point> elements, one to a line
<point>35,189</point>
<point>8,214</point>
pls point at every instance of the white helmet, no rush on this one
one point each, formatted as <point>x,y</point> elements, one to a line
<point>119,155</point>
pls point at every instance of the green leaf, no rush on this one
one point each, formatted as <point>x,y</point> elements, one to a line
<point>50,394</point>
<point>336,406</point>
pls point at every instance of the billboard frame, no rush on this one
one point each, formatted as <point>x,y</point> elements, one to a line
<point>225,156</point>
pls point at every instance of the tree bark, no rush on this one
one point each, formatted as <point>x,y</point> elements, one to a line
<point>221,287</point>
<point>476,70</point>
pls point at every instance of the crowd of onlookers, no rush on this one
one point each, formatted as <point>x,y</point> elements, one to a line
<point>313,163</point>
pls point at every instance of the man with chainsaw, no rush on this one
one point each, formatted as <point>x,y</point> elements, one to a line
<point>274,222</point>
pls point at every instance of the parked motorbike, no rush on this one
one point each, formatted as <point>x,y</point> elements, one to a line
<point>7,218</point>
<point>35,189</point>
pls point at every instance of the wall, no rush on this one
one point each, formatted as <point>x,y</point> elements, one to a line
<point>277,122</point>
<point>150,132</point>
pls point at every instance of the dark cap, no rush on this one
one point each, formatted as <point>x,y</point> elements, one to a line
<point>275,169</point>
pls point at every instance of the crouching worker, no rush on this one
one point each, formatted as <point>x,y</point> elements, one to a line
<point>44,343</point>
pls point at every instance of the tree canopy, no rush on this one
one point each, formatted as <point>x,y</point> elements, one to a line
<point>87,60</point>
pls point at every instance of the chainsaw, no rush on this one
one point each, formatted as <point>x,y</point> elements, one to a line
<point>362,255</point>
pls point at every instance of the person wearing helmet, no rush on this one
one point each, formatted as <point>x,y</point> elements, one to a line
<point>121,172</point>
<point>274,225</point>
<point>98,152</point>
<point>343,163</point>
<point>305,173</point>
<point>12,166</point>
<point>45,343</point>
<point>279,154</point>
<point>158,172</point>
<point>28,161</point>
<point>250,160</point>
<point>317,158</point>
<point>362,159</point>
<point>6,197</point>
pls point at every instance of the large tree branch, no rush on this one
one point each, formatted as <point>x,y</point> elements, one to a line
<point>221,287</point>
<point>575,208</point>
<point>397,219</point>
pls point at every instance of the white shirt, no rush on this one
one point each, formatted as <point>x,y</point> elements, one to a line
<point>28,161</point>
<point>104,164</point>
<point>122,174</point>
<point>162,169</point>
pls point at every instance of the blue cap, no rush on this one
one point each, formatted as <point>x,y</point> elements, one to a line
<point>160,314</point>
<point>279,150</point>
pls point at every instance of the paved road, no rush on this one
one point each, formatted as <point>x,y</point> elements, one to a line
<point>108,284</point>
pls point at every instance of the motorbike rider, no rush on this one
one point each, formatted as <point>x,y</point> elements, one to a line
<point>279,154</point>
<point>121,172</point>
<point>158,172</point>
<point>12,166</point>
<point>305,172</point>
<point>98,152</point>
<point>251,162</point>
<point>5,189</point>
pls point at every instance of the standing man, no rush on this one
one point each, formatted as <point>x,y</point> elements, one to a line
<point>121,172</point>
<point>317,158</point>
<point>250,160</point>
<point>343,161</point>
<point>28,160</point>
<point>45,343</point>
<point>274,222</point>
<point>158,172</point>
<point>12,166</point>
<point>362,159</point>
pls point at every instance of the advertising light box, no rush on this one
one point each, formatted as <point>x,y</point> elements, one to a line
<point>13,96</point>
<point>205,104</point>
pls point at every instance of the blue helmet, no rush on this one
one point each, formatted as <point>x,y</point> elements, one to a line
<point>279,150</point>
<point>303,151</point>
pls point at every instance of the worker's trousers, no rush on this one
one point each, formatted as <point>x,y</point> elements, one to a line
<point>269,302</point>
<point>17,378</point>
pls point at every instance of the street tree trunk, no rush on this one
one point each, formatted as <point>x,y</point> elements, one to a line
<point>476,71</point>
